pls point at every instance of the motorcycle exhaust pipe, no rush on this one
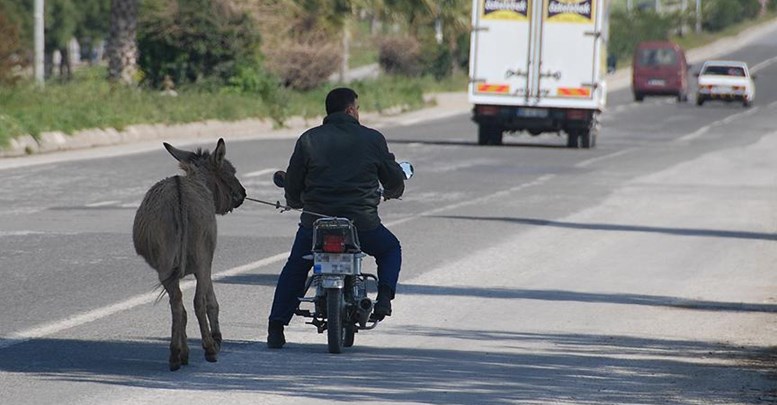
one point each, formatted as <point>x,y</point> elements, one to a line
<point>364,310</point>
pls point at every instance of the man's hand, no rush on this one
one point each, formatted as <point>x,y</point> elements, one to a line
<point>394,193</point>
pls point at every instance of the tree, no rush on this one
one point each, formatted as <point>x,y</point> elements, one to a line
<point>122,43</point>
<point>61,21</point>
<point>9,48</point>
<point>94,26</point>
<point>192,40</point>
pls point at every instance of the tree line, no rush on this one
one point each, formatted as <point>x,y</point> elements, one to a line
<point>299,43</point>
<point>256,45</point>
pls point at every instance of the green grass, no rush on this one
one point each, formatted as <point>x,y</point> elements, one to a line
<point>694,40</point>
<point>89,101</point>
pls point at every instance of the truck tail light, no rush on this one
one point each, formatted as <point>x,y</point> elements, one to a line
<point>577,114</point>
<point>488,110</point>
<point>334,243</point>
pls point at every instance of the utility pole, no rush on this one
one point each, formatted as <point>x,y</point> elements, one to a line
<point>38,60</point>
<point>629,5</point>
<point>658,7</point>
<point>698,16</point>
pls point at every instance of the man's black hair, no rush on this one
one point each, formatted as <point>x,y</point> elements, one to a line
<point>339,99</point>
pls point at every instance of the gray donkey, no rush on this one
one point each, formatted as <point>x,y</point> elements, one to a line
<point>175,231</point>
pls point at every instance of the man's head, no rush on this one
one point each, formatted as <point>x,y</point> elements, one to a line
<point>343,99</point>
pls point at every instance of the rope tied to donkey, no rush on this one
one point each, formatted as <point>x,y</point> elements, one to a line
<point>283,208</point>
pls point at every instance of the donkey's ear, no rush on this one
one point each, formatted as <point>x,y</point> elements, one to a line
<point>221,150</point>
<point>179,155</point>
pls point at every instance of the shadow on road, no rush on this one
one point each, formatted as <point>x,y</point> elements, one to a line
<point>573,296</point>
<point>714,233</point>
<point>475,144</point>
<point>572,368</point>
<point>251,279</point>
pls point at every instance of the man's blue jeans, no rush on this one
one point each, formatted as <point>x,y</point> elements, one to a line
<point>379,243</point>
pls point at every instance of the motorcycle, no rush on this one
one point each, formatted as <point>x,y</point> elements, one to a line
<point>341,304</point>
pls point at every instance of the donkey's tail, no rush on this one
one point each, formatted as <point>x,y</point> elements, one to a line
<point>179,262</point>
<point>182,232</point>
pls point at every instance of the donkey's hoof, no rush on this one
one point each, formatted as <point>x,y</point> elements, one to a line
<point>175,365</point>
<point>212,357</point>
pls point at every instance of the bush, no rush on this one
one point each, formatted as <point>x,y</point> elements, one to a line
<point>304,66</point>
<point>400,56</point>
<point>719,14</point>
<point>9,50</point>
<point>193,40</point>
<point>750,9</point>
<point>629,29</point>
<point>437,61</point>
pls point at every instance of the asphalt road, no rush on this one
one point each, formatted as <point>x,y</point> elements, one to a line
<point>640,272</point>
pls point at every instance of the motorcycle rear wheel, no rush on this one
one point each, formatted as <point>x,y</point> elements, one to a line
<point>335,330</point>
<point>350,332</point>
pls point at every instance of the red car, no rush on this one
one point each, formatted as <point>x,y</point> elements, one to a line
<point>659,68</point>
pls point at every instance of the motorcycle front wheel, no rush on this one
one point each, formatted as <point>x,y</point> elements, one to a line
<point>335,330</point>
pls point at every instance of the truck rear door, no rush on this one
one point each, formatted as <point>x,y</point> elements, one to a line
<point>499,56</point>
<point>569,48</point>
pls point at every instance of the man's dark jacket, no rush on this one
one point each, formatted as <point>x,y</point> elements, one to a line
<point>335,169</point>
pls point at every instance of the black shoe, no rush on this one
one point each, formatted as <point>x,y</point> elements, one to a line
<point>381,310</point>
<point>275,337</point>
<point>382,306</point>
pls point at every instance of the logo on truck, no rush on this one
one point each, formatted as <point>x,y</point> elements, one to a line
<point>572,11</point>
<point>505,9</point>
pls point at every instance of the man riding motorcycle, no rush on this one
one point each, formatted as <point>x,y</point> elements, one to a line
<point>336,169</point>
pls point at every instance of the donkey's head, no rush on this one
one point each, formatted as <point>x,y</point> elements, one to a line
<point>217,172</point>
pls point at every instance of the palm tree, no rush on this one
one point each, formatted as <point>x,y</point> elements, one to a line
<point>122,43</point>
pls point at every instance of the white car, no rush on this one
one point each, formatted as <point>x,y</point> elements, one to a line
<point>725,80</point>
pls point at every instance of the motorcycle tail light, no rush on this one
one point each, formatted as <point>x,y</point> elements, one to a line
<point>334,243</point>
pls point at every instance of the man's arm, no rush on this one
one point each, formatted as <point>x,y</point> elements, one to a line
<point>390,173</point>
<point>295,177</point>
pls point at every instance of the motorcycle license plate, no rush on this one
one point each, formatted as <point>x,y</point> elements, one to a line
<point>333,263</point>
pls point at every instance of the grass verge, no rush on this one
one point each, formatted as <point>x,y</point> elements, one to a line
<point>89,101</point>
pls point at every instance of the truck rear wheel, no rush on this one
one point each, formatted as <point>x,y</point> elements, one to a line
<point>489,134</point>
<point>588,139</point>
<point>573,139</point>
<point>582,138</point>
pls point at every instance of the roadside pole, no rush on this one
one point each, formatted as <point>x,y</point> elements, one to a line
<point>38,17</point>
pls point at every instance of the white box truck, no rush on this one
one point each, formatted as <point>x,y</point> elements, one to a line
<point>538,66</point>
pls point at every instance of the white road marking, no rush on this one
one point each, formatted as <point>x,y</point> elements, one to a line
<point>588,162</point>
<point>142,299</point>
<point>763,64</point>
<point>701,131</point>
<point>130,303</point>
<point>102,204</point>
<point>259,173</point>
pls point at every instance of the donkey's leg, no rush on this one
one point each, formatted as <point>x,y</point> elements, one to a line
<point>179,352</point>
<point>200,309</point>
<point>213,313</point>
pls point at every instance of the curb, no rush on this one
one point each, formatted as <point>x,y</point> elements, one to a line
<point>442,105</point>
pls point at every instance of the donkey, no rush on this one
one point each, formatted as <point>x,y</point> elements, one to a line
<point>175,231</point>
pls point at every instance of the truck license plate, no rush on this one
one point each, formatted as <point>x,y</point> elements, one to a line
<point>532,112</point>
<point>656,82</point>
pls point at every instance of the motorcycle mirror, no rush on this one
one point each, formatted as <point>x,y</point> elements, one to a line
<point>279,178</point>
<point>407,167</point>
